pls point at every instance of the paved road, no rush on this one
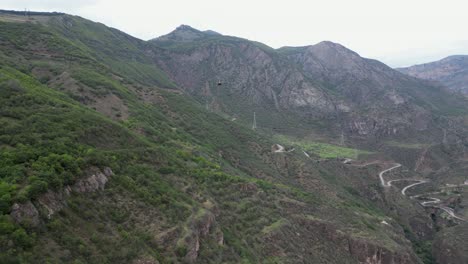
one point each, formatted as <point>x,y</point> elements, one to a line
<point>346,161</point>
<point>403,191</point>
<point>280,149</point>
<point>432,201</point>
<point>366,164</point>
<point>382,180</point>
<point>450,211</point>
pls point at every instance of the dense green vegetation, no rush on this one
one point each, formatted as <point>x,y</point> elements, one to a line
<point>39,147</point>
<point>49,141</point>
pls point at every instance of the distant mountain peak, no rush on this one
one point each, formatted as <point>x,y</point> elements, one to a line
<point>327,43</point>
<point>186,33</point>
<point>184,27</point>
<point>332,46</point>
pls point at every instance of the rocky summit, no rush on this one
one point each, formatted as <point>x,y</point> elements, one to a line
<point>198,147</point>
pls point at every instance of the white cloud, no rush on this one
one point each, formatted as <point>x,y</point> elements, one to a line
<point>397,32</point>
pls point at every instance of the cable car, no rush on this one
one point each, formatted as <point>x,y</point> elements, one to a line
<point>219,83</point>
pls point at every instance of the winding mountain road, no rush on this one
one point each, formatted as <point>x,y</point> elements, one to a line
<point>450,211</point>
<point>403,191</point>
<point>432,201</point>
<point>365,164</point>
<point>382,180</point>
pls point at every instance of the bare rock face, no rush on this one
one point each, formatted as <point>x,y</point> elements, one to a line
<point>247,70</point>
<point>93,183</point>
<point>25,213</point>
<point>201,227</point>
<point>54,201</point>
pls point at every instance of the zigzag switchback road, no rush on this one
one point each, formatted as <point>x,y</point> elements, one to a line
<point>382,180</point>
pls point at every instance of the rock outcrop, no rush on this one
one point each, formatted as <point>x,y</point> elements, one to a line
<point>97,181</point>
<point>25,213</point>
<point>54,201</point>
<point>200,228</point>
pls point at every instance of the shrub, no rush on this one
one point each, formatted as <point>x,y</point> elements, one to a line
<point>5,203</point>
<point>22,239</point>
<point>181,251</point>
<point>37,187</point>
<point>6,227</point>
<point>10,87</point>
<point>166,170</point>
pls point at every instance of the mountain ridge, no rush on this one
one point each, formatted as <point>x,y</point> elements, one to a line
<point>185,33</point>
<point>327,79</point>
<point>451,71</point>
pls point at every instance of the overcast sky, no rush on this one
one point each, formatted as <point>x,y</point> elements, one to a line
<point>397,32</point>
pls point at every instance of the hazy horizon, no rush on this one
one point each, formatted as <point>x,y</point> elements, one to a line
<point>397,33</point>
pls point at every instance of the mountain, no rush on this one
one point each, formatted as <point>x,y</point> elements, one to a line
<point>114,149</point>
<point>451,72</point>
<point>329,88</point>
